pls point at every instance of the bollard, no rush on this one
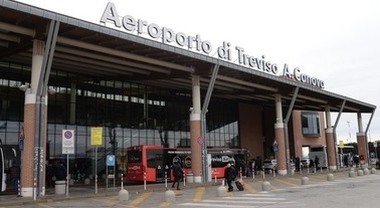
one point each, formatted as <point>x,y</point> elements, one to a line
<point>34,189</point>
<point>121,182</point>
<point>263,174</point>
<point>144,180</point>
<point>304,180</point>
<point>123,195</point>
<point>351,174</point>
<point>184,178</point>
<point>266,186</point>
<point>366,171</point>
<point>221,191</point>
<point>166,179</point>
<point>373,171</point>
<point>360,173</point>
<point>169,196</point>
<point>18,188</point>
<point>330,177</point>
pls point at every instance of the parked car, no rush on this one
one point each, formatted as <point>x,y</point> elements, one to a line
<point>305,163</point>
<point>270,164</point>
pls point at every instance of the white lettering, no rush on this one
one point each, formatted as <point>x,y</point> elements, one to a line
<point>129,23</point>
<point>168,36</point>
<point>110,14</point>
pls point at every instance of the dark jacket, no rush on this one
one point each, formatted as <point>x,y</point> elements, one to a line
<point>177,170</point>
<point>230,173</point>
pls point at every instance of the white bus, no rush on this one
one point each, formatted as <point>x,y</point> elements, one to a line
<point>320,152</point>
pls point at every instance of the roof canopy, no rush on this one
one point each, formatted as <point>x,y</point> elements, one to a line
<point>96,52</point>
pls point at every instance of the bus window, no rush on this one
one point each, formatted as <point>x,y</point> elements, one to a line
<point>134,156</point>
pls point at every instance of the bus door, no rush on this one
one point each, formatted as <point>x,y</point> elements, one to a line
<point>2,171</point>
<point>9,156</point>
<point>160,167</point>
<point>156,161</point>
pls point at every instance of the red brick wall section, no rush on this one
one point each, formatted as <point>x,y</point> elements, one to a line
<point>196,158</point>
<point>27,154</point>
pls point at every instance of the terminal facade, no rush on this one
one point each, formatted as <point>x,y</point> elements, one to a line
<point>58,73</point>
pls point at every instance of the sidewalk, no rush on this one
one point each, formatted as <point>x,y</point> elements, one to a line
<point>88,191</point>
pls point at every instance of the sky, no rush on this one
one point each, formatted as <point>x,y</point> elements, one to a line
<point>334,41</point>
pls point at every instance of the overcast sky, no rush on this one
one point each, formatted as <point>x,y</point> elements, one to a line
<point>334,41</point>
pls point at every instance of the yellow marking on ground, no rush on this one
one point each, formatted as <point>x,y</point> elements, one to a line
<point>164,204</point>
<point>140,198</point>
<point>285,182</point>
<point>199,192</point>
<point>249,188</point>
<point>229,194</point>
<point>106,200</point>
<point>273,187</point>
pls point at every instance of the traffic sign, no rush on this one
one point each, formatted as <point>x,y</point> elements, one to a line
<point>200,140</point>
<point>68,143</point>
<point>110,160</point>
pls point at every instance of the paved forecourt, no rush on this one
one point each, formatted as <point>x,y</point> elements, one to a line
<point>191,195</point>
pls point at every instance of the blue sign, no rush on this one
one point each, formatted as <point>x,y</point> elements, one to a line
<point>110,160</point>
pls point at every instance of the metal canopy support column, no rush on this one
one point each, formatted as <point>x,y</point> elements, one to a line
<point>286,131</point>
<point>203,121</point>
<point>39,137</point>
<point>334,132</point>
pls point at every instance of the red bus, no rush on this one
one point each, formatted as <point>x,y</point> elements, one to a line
<point>155,161</point>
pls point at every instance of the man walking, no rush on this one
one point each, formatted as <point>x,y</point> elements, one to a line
<point>177,173</point>
<point>229,176</point>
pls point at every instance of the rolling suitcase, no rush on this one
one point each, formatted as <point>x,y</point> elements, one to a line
<point>239,186</point>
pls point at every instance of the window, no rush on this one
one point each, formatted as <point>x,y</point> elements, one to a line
<point>310,124</point>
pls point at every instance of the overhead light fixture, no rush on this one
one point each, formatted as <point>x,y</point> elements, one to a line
<point>23,87</point>
<point>51,90</point>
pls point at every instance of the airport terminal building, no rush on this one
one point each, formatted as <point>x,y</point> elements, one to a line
<point>147,84</point>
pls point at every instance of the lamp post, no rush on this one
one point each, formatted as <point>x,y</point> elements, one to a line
<point>349,131</point>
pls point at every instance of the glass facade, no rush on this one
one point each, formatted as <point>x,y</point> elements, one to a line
<point>129,113</point>
<point>310,124</point>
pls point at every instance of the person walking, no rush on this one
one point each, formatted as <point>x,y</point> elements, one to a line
<point>14,173</point>
<point>229,176</point>
<point>177,173</point>
<point>316,161</point>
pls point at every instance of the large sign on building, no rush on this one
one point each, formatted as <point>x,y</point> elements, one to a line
<point>195,43</point>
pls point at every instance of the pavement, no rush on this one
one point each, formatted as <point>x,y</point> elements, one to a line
<point>140,194</point>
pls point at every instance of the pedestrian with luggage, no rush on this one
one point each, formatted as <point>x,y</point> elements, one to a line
<point>229,176</point>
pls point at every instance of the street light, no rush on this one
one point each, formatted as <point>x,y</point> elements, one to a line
<point>349,131</point>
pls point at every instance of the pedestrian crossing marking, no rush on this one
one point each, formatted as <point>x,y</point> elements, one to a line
<point>251,200</point>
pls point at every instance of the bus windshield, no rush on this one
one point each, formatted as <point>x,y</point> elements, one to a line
<point>134,156</point>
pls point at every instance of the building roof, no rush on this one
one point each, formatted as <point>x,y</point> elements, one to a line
<point>97,52</point>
